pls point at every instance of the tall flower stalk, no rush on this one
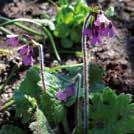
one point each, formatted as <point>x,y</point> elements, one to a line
<point>85,74</point>
<point>41,55</point>
<point>41,61</point>
<point>95,28</point>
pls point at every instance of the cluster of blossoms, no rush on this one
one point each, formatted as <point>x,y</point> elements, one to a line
<point>102,27</point>
<point>25,51</point>
<point>62,95</point>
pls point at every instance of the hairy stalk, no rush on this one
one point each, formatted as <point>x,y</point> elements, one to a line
<point>41,61</point>
<point>79,121</point>
<point>85,75</point>
<point>77,78</point>
<point>41,55</point>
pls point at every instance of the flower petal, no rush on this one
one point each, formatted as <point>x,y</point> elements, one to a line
<point>61,95</point>
<point>12,40</point>
<point>28,60</point>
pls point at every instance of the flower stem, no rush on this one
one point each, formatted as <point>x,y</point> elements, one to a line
<point>5,30</point>
<point>66,126</point>
<point>79,121</point>
<point>85,76</point>
<point>41,61</point>
<point>41,55</point>
<point>22,26</point>
<point>52,41</point>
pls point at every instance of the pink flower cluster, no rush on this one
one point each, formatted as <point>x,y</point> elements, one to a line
<point>102,27</point>
<point>25,51</point>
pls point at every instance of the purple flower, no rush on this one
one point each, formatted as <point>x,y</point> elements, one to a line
<point>101,18</point>
<point>26,53</point>
<point>24,50</point>
<point>12,40</point>
<point>96,38</point>
<point>28,60</point>
<point>87,32</point>
<point>61,95</point>
<point>70,90</point>
<point>110,30</point>
<point>102,27</point>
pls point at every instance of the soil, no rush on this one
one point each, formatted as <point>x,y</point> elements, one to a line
<point>116,56</point>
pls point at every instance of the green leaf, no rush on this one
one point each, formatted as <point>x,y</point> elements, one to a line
<point>40,124</point>
<point>71,100</point>
<point>69,21</point>
<point>65,15</point>
<point>30,95</point>
<point>69,18</point>
<point>66,43</point>
<point>10,129</point>
<point>62,31</point>
<point>110,11</point>
<point>81,10</point>
<point>111,113</point>
<point>76,35</point>
<point>91,19</point>
<point>52,108</point>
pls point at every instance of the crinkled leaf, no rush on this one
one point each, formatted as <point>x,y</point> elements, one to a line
<point>10,129</point>
<point>40,124</point>
<point>110,11</point>
<point>111,113</point>
<point>66,43</point>
<point>52,108</point>
<point>30,94</point>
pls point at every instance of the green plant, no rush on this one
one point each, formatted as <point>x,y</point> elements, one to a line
<point>43,99</point>
<point>111,113</point>
<point>40,124</point>
<point>30,94</point>
<point>10,129</point>
<point>69,21</point>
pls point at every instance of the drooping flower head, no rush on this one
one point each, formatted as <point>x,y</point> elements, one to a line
<point>25,51</point>
<point>28,60</point>
<point>101,19</point>
<point>101,27</point>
